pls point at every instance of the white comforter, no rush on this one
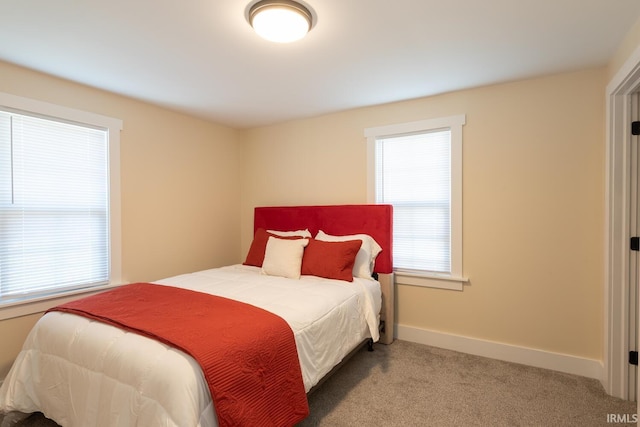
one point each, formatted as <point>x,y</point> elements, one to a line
<point>82,373</point>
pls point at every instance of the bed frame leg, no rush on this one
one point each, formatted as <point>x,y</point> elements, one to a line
<point>370,344</point>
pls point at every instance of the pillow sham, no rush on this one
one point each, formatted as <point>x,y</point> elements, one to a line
<point>283,257</point>
<point>332,260</point>
<point>301,233</point>
<point>366,257</point>
<point>255,256</point>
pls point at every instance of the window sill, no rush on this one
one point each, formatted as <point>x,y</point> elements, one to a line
<point>431,280</point>
<point>41,304</point>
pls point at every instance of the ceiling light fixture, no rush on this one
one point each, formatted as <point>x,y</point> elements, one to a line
<point>281,21</point>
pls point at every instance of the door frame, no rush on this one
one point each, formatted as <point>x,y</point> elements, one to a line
<point>634,230</point>
<point>617,225</point>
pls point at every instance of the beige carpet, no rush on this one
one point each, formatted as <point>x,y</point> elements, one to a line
<point>407,384</point>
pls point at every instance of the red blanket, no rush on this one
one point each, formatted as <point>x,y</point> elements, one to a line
<point>248,355</point>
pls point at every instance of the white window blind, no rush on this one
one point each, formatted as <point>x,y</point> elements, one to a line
<point>54,206</point>
<point>413,173</point>
<point>417,168</point>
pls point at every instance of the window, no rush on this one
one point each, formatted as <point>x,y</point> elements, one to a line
<point>417,167</point>
<point>59,201</point>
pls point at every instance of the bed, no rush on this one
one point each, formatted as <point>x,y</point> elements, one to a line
<point>81,370</point>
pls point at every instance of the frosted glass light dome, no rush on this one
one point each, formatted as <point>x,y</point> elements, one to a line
<point>280,21</point>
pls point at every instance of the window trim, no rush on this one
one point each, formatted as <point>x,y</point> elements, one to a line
<point>455,280</point>
<point>113,126</point>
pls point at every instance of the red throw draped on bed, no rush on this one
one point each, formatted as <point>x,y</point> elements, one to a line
<point>248,355</point>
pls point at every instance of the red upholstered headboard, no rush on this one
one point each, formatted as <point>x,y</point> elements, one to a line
<point>374,220</point>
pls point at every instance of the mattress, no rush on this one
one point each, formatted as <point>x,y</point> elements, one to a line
<point>80,372</point>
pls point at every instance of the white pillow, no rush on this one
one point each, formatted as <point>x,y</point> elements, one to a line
<point>301,233</point>
<point>283,257</point>
<point>366,257</point>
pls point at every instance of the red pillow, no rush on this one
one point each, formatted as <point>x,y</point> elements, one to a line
<point>332,260</point>
<point>255,256</point>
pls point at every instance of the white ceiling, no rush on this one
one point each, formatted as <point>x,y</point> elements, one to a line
<point>203,58</point>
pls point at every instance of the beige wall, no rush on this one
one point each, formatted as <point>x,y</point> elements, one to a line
<point>533,198</point>
<point>533,178</point>
<point>180,187</point>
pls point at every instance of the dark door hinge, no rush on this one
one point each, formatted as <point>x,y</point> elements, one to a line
<point>635,128</point>
<point>635,244</point>
<point>633,358</point>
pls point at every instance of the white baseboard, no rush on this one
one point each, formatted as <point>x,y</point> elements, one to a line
<point>589,368</point>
